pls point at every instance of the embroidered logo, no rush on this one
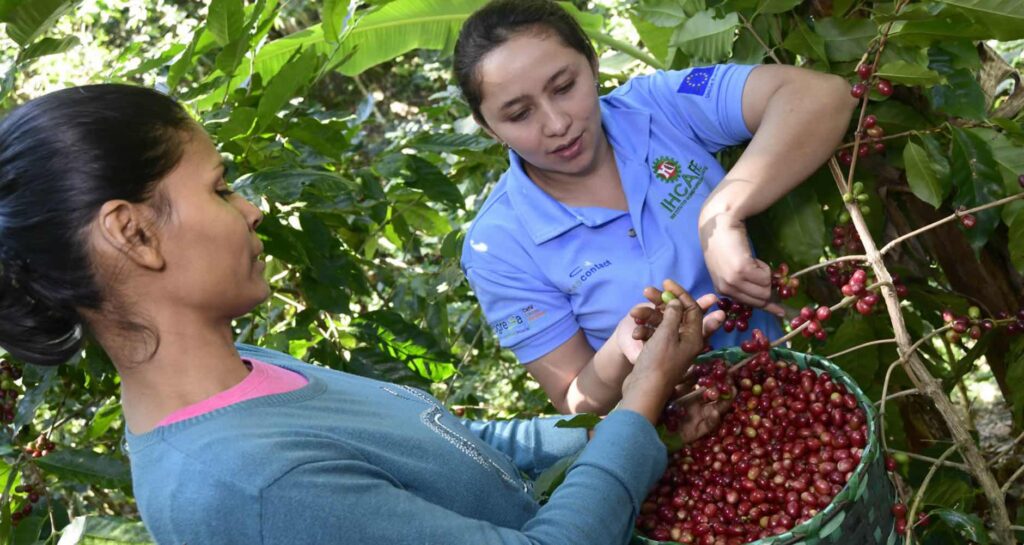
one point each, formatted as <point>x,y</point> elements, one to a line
<point>683,191</point>
<point>582,273</point>
<point>666,169</point>
<point>696,82</point>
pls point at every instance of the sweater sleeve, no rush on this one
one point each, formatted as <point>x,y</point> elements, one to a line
<point>351,501</point>
<point>533,445</point>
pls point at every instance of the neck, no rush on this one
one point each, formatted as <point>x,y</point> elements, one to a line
<point>599,185</point>
<point>193,361</point>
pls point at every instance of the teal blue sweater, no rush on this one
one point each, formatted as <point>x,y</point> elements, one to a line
<point>347,459</point>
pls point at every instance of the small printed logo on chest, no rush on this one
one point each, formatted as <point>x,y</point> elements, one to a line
<point>686,185</point>
<point>584,272</point>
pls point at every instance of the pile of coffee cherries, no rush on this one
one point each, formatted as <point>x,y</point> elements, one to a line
<point>787,446</point>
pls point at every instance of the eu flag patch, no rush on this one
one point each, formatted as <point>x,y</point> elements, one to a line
<point>696,82</point>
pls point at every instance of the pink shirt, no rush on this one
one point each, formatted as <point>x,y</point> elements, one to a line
<point>263,380</point>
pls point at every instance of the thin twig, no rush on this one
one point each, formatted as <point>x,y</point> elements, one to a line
<point>897,395</point>
<point>894,136</point>
<point>922,488</point>
<point>859,346</point>
<point>1016,475</point>
<point>955,465</point>
<point>1009,451</point>
<point>769,50</point>
<point>827,263</point>
<point>955,215</point>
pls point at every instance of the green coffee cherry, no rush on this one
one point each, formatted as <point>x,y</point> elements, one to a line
<point>974,313</point>
<point>858,188</point>
<point>844,217</point>
<point>848,197</point>
<point>667,296</point>
<point>865,210</point>
<point>863,197</point>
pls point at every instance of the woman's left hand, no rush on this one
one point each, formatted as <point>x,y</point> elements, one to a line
<point>735,271</point>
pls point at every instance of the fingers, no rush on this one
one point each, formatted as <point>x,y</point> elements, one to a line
<point>775,309</point>
<point>707,301</point>
<point>692,312</point>
<point>653,295</point>
<point>712,322</point>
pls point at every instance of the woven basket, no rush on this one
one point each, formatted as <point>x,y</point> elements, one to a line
<point>861,513</point>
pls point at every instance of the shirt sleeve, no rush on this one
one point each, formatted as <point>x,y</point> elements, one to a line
<point>532,445</point>
<point>706,102</point>
<point>529,315</point>
<point>351,501</point>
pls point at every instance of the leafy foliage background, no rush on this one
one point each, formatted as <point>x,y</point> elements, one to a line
<point>341,121</point>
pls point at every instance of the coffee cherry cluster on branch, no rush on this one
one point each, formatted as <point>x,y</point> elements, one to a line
<point>864,72</point>
<point>9,390</point>
<point>1016,327</point>
<point>34,489</point>
<point>972,325</point>
<point>782,283</point>
<point>813,318</point>
<point>40,447</point>
<point>787,446</point>
<point>872,141</point>
<point>737,315</point>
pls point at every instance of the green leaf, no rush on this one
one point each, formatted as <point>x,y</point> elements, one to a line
<point>949,489</point>
<point>86,466</point>
<point>941,28</point>
<point>898,117</point>
<point>908,74</point>
<point>423,175</point>
<point>34,397</point>
<point>705,38</point>
<point>961,96</point>
<point>402,341</point>
<point>977,180</point>
<point>334,17</point>
<point>1016,243</point>
<point>27,530</point>
<point>450,142</point>
<point>31,19</point>
<point>1010,158</point>
<point>399,27</point>
<point>294,76</point>
<point>241,122</point>
<point>582,420</point>
<point>546,483</point>
<point>93,530</point>
<point>105,417</point>
<point>226,20</point>
<point>286,186</point>
<point>184,62</point>
<point>862,363</point>
<point>845,39</point>
<point>654,38</point>
<point>1004,19</point>
<point>921,176</point>
<point>799,226</point>
<point>1015,374</point>
<point>770,7</point>
<point>969,526</point>
<point>667,13</point>
<point>47,46</point>
<point>802,41</point>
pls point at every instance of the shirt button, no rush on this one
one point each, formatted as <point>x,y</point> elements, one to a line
<point>631,232</point>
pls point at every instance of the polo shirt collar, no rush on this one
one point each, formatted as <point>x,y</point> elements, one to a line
<point>545,217</point>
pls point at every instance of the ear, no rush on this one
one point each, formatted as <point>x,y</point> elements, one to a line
<point>128,229</point>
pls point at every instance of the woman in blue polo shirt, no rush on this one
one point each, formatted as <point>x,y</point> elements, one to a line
<point>607,195</point>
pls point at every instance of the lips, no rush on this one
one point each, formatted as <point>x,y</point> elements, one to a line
<point>567,145</point>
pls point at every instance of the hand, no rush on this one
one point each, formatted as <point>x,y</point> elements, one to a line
<point>645,317</point>
<point>701,417</point>
<point>666,358</point>
<point>736,273</point>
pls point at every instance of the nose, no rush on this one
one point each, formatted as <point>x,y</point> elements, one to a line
<point>556,121</point>
<point>253,215</point>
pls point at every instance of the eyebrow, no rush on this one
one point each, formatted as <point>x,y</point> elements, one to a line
<point>512,102</point>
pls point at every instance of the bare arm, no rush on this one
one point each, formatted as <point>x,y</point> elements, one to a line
<point>798,117</point>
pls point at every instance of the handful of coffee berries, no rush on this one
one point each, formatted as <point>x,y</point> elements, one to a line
<point>785,449</point>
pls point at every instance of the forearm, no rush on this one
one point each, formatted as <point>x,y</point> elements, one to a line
<point>798,131</point>
<point>598,386</point>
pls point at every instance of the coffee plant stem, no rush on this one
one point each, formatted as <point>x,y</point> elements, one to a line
<point>827,263</point>
<point>859,346</point>
<point>954,216</point>
<point>1010,450</point>
<point>1016,475</point>
<point>922,488</point>
<point>918,373</point>
<point>750,28</point>
<point>955,465</point>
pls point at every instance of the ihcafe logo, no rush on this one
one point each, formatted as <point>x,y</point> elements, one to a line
<point>666,169</point>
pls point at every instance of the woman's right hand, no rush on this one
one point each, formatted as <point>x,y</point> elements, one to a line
<point>666,357</point>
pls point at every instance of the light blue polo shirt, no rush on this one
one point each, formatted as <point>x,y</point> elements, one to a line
<point>542,270</point>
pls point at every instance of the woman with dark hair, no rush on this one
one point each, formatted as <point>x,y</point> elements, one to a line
<point>116,223</point>
<point>606,195</point>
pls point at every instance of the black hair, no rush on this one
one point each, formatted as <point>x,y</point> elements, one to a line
<point>500,20</point>
<point>62,156</point>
